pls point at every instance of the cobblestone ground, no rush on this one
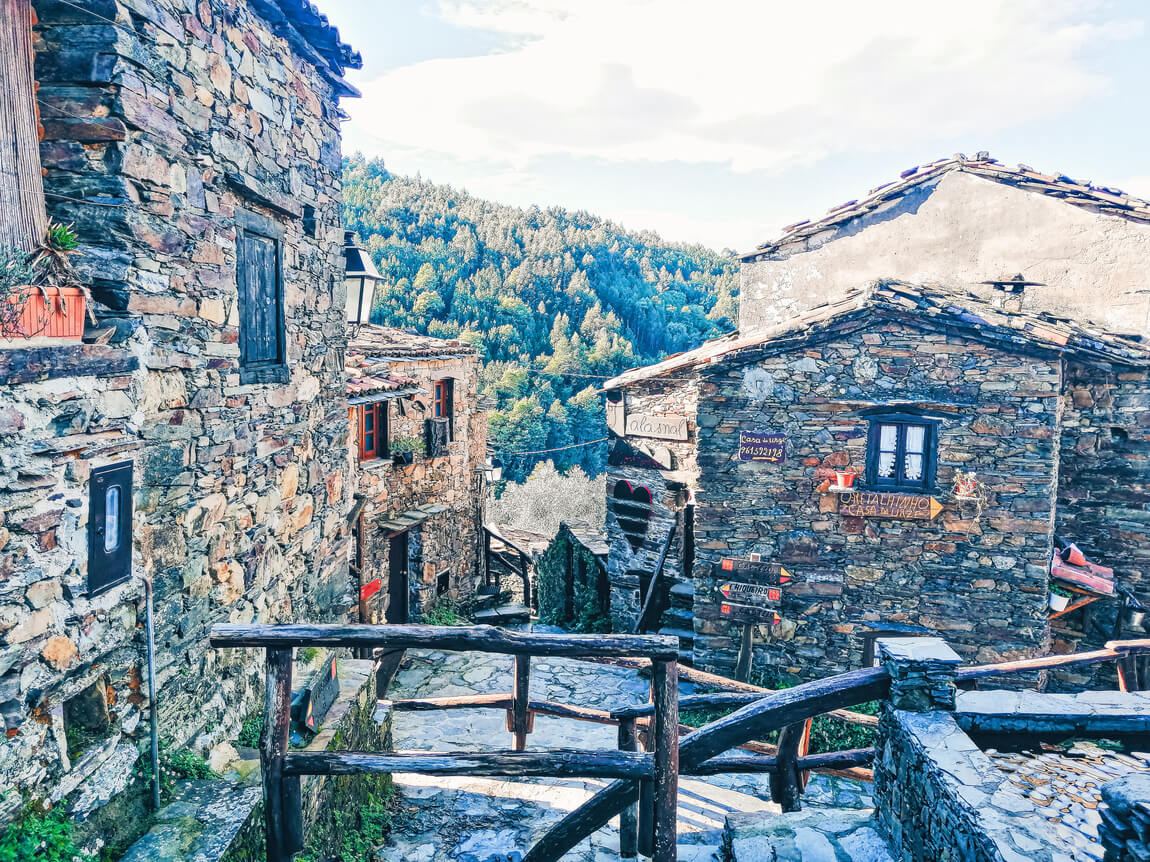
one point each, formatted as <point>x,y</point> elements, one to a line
<point>494,820</point>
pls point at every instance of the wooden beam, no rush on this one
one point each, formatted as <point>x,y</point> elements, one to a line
<point>519,704</point>
<point>652,591</point>
<point>665,693</point>
<point>449,638</point>
<point>785,782</point>
<point>555,762</point>
<point>834,760</point>
<point>273,750</point>
<point>628,817</point>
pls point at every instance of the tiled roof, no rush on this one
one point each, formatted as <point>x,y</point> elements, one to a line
<point>1080,193</point>
<point>365,379</point>
<point>385,342</point>
<point>916,305</point>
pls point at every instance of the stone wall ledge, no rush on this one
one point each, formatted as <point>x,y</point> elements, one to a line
<point>1088,713</point>
<point>71,359</point>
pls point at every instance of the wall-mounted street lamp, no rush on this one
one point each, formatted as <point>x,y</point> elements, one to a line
<point>493,470</point>
<point>360,276</point>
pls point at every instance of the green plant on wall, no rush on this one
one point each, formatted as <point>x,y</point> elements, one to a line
<point>551,574</point>
<point>39,836</point>
<point>404,445</point>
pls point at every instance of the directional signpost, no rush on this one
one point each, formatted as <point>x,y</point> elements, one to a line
<point>874,504</point>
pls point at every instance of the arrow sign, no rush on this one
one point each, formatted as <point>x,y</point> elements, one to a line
<point>874,504</point>
<point>753,593</point>
<point>748,614</point>
<point>771,573</point>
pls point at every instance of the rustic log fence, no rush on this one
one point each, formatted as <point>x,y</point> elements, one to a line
<point>657,769</point>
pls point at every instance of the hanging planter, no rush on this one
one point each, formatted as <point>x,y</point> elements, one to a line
<point>49,312</point>
<point>965,485</point>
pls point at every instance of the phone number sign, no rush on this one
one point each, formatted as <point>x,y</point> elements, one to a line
<point>768,446</point>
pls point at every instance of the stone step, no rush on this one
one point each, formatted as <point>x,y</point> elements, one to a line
<point>510,613</point>
<point>814,835</point>
<point>200,823</point>
<point>679,618</point>
<point>682,593</point>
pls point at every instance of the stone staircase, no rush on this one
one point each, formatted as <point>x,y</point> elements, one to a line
<point>498,608</point>
<point>679,618</point>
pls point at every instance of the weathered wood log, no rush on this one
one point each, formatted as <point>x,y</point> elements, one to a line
<point>293,837</point>
<point>273,750</point>
<point>769,713</point>
<point>520,702</point>
<point>981,671</point>
<point>690,674</point>
<point>665,694</point>
<point>449,638</point>
<point>471,701</point>
<point>23,216</point>
<point>35,364</point>
<point>785,782</point>
<point>628,817</point>
<point>833,760</point>
<point>554,762</point>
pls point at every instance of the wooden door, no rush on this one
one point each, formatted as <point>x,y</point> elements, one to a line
<point>397,579</point>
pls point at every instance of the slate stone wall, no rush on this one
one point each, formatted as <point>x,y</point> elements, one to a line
<point>240,490</point>
<point>449,541</point>
<point>669,493</point>
<point>981,581</point>
<point>1103,498</point>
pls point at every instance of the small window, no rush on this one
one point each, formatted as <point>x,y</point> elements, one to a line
<point>109,528</point>
<point>259,281</point>
<point>901,453</point>
<point>445,404</point>
<point>373,431</point>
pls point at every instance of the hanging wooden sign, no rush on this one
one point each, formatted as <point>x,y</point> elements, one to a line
<point>751,594</point>
<point>661,426</point>
<point>768,446</point>
<point>756,570</point>
<point>749,614</point>
<point>874,504</point>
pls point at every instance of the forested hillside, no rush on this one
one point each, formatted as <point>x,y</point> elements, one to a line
<point>557,301</point>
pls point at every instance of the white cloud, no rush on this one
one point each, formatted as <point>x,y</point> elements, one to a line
<point>758,85</point>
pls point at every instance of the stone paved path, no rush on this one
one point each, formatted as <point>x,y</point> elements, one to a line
<point>495,820</point>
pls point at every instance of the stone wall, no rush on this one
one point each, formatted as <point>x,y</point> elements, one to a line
<point>979,579</point>
<point>957,231</point>
<point>569,584</point>
<point>669,494</point>
<point>449,540</point>
<point>1102,502</point>
<point>240,489</point>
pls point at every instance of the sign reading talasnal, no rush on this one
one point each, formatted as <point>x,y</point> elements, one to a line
<point>661,426</point>
<point>768,446</point>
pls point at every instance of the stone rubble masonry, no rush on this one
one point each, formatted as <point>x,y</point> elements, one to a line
<point>921,672</point>
<point>241,491</point>
<point>449,540</point>
<point>1125,828</point>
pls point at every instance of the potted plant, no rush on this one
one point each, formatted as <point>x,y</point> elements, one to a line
<point>403,450</point>
<point>40,294</point>
<point>1059,597</point>
<point>845,478</point>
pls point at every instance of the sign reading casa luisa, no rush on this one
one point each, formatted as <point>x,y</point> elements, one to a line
<point>897,454</point>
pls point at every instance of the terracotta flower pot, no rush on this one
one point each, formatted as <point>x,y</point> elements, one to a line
<point>50,312</point>
<point>845,478</point>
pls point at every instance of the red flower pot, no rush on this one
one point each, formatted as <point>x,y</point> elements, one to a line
<point>845,478</point>
<point>50,312</point>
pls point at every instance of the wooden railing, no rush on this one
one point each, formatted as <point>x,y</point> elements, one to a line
<point>785,711</point>
<point>657,771</point>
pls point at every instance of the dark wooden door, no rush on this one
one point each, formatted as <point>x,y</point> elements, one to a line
<point>397,579</point>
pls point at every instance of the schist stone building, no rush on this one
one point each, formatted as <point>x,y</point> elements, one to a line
<point>419,444</point>
<point>202,443</point>
<point>726,465</point>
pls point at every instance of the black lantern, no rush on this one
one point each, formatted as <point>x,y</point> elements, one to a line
<point>493,470</point>
<point>360,277</point>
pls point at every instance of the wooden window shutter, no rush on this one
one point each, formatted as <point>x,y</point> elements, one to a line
<point>259,279</point>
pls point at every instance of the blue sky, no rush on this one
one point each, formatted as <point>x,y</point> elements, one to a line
<point>721,121</point>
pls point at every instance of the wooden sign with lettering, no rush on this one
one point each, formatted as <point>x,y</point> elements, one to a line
<point>876,504</point>
<point>757,570</point>
<point>768,446</point>
<point>752,594</point>
<point>749,614</point>
<point>661,426</point>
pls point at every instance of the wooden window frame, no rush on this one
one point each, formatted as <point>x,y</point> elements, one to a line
<point>381,431</point>
<point>262,370</point>
<point>109,568</point>
<point>443,404</point>
<point>902,421</point>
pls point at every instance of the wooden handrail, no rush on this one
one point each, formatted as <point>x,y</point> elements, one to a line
<point>607,763</point>
<point>449,638</point>
<point>652,588</point>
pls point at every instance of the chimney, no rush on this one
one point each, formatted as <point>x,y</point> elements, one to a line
<point>1009,292</point>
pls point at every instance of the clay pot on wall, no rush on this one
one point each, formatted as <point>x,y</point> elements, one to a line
<point>1058,603</point>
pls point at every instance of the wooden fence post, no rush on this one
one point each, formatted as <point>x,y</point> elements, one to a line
<point>519,720</point>
<point>273,748</point>
<point>786,783</point>
<point>628,817</point>
<point>665,691</point>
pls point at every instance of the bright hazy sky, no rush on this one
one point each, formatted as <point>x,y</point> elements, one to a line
<point>720,121</point>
